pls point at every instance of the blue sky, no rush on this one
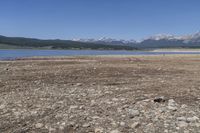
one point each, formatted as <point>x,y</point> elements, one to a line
<point>120,19</point>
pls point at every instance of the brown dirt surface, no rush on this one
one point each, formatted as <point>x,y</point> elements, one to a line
<point>100,94</point>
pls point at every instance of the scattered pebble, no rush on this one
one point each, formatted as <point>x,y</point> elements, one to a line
<point>39,125</point>
<point>133,113</point>
<point>86,125</point>
<point>135,125</point>
<point>159,99</point>
<point>98,130</point>
<point>115,131</point>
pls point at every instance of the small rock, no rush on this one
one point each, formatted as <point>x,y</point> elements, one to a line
<point>33,112</point>
<point>165,131</point>
<point>186,131</point>
<point>159,99</point>
<point>115,131</point>
<point>78,84</point>
<point>182,124</point>
<point>115,99</point>
<point>150,128</point>
<point>119,110</point>
<point>95,117</point>
<point>86,125</point>
<point>2,106</point>
<point>98,130</point>
<point>181,119</point>
<point>113,123</point>
<point>92,103</point>
<point>183,106</point>
<point>122,124</point>
<point>197,124</point>
<point>135,125</point>
<point>82,107</point>
<point>133,113</point>
<point>51,129</point>
<point>146,100</point>
<point>172,105</point>
<point>171,102</point>
<point>192,119</point>
<point>162,110</point>
<point>68,129</point>
<point>123,116</point>
<point>73,107</point>
<point>39,125</point>
<point>172,108</point>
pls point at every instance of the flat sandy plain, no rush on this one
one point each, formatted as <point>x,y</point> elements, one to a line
<point>111,94</point>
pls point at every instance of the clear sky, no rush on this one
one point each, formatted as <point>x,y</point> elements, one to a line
<point>120,19</point>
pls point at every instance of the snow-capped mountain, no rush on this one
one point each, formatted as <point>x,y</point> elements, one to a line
<point>166,41</point>
<point>186,38</point>
<point>156,41</point>
<point>195,38</point>
<point>191,37</point>
<point>164,37</point>
<point>110,41</point>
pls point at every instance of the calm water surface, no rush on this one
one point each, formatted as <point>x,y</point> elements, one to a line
<point>19,53</point>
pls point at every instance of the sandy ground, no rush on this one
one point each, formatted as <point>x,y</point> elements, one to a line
<point>101,94</point>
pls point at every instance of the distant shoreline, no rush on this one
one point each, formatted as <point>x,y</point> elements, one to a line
<point>176,50</point>
<point>15,54</point>
<point>139,50</point>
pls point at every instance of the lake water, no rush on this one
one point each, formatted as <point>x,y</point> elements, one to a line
<point>19,53</point>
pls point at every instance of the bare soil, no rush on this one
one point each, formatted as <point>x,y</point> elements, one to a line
<point>98,94</point>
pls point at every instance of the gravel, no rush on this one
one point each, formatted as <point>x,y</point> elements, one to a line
<point>121,95</point>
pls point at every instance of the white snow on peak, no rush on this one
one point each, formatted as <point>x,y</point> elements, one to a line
<point>106,40</point>
<point>185,38</point>
<point>162,36</point>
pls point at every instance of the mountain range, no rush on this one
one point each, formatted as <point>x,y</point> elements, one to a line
<point>157,41</point>
<point>31,43</point>
<point>152,42</point>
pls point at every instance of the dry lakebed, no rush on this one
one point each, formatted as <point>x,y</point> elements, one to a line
<point>101,94</point>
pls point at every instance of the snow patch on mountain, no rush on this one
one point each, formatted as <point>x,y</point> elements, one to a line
<point>192,38</point>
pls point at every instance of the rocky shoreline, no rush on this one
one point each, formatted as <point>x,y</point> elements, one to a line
<point>143,94</point>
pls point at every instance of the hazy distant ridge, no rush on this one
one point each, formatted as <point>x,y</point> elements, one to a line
<point>157,41</point>
<point>20,42</point>
<point>153,42</point>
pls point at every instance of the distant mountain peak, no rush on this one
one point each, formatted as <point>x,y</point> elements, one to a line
<point>167,38</point>
<point>162,36</point>
<point>197,34</point>
<point>107,40</point>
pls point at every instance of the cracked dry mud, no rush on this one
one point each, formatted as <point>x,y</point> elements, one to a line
<point>104,94</point>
